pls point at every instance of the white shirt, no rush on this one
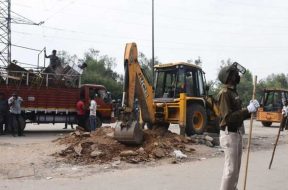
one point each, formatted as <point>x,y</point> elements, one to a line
<point>15,104</point>
<point>285,111</point>
<point>93,107</point>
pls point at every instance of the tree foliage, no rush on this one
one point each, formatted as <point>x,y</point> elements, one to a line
<point>147,66</point>
<point>100,71</point>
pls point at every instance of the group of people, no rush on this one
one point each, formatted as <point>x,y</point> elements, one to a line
<point>81,112</point>
<point>10,115</point>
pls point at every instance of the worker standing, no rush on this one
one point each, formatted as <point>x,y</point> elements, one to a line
<point>15,114</point>
<point>284,123</point>
<point>54,60</point>
<point>3,114</point>
<point>231,119</point>
<point>92,116</point>
<point>80,107</point>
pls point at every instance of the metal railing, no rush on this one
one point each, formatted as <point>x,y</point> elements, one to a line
<point>36,78</point>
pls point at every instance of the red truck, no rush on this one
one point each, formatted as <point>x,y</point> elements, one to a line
<point>52,98</point>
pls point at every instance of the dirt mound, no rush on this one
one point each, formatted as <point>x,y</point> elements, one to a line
<point>100,147</point>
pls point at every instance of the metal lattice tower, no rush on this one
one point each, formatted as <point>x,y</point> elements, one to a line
<point>5,32</point>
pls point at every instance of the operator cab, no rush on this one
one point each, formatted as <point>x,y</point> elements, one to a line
<point>273,99</point>
<point>174,78</point>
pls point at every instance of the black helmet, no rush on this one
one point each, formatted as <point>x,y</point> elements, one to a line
<point>225,71</point>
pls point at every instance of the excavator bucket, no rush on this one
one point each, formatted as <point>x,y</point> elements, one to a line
<point>129,133</point>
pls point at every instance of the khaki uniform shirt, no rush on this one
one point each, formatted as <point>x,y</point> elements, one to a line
<point>230,106</point>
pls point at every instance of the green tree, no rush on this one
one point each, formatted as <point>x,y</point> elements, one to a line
<point>147,65</point>
<point>100,71</point>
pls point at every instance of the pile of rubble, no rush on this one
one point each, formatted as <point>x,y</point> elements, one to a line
<point>100,146</point>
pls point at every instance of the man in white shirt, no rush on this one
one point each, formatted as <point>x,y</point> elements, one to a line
<point>92,116</point>
<point>284,123</point>
<point>14,103</point>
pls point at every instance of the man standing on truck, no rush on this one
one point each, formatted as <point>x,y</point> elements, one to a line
<point>54,60</point>
<point>3,114</point>
<point>15,114</point>
<point>231,119</point>
<point>92,116</point>
<point>80,107</point>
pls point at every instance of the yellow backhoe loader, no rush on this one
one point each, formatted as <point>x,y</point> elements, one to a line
<point>271,104</point>
<point>179,96</point>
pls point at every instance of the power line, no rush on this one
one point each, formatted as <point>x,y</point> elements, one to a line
<point>60,10</point>
<point>193,45</point>
<point>23,47</point>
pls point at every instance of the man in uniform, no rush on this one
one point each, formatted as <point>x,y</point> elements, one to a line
<point>231,120</point>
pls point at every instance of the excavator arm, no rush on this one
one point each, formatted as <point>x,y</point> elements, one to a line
<point>137,95</point>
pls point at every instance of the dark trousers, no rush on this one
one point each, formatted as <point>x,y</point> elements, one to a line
<point>284,123</point>
<point>15,124</point>
<point>3,121</point>
<point>92,119</point>
<point>81,120</point>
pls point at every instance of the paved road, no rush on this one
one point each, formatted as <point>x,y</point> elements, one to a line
<point>200,175</point>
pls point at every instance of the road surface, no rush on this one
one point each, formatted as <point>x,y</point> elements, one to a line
<point>200,175</point>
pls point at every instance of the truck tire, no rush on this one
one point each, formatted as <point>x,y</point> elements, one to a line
<point>266,123</point>
<point>196,119</point>
<point>22,123</point>
<point>98,122</point>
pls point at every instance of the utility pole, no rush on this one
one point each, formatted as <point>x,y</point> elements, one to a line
<point>5,32</point>
<point>153,42</point>
<point>9,31</point>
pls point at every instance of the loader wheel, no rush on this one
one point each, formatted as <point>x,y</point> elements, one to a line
<point>196,119</point>
<point>266,123</point>
<point>151,126</point>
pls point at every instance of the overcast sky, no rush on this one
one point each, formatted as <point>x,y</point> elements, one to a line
<point>251,32</point>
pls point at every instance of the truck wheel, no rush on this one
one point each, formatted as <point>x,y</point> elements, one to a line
<point>22,123</point>
<point>266,123</point>
<point>87,125</point>
<point>14,123</point>
<point>98,122</point>
<point>196,119</point>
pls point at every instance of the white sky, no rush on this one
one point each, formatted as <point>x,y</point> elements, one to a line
<point>251,32</point>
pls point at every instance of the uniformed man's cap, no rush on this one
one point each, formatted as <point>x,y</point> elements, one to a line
<point>225,71</point>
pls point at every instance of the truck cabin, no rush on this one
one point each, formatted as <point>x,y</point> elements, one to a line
<point>99,91</point>
<point>273,99</point>
<point>174,78</point>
